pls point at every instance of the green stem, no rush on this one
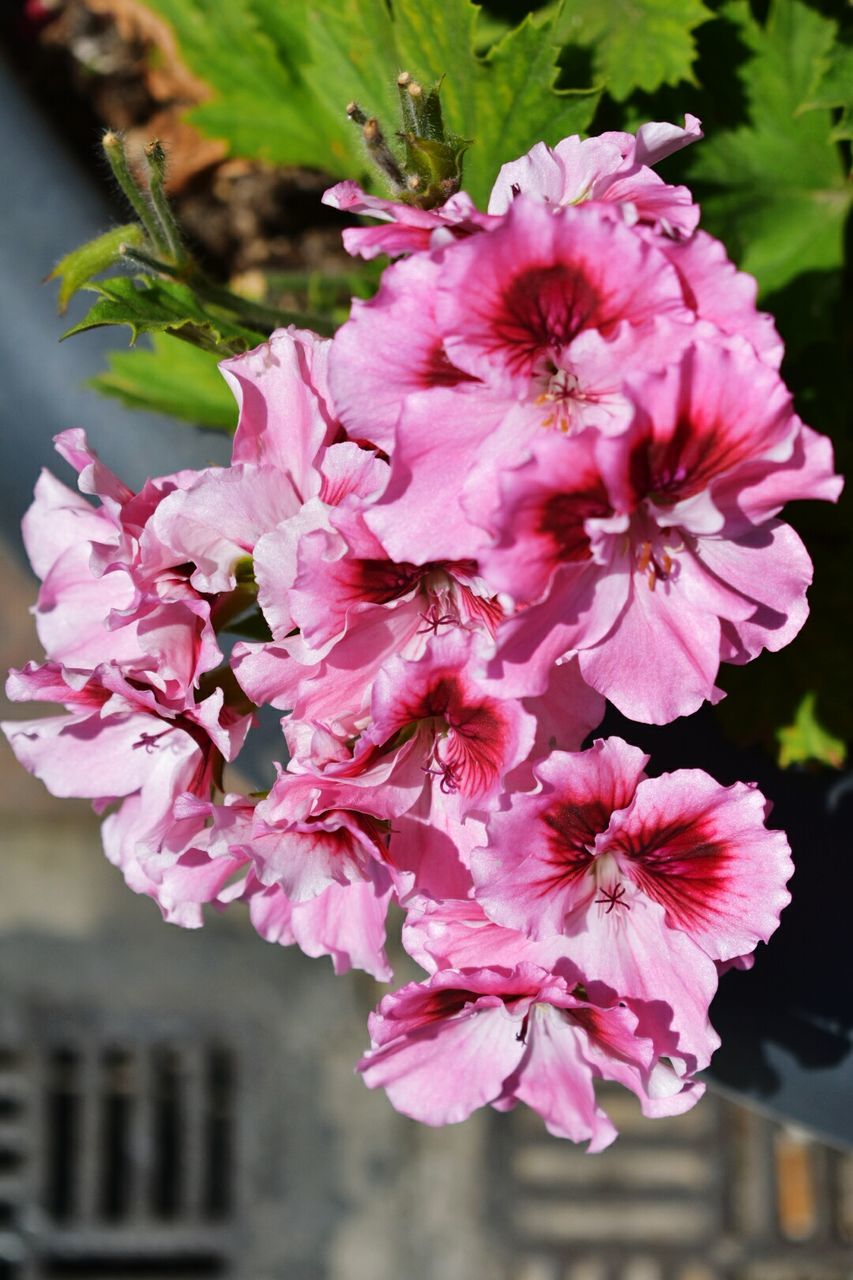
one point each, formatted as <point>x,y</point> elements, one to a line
<point>156,158</point>
<point>114,151</point>
<point>255,313</point>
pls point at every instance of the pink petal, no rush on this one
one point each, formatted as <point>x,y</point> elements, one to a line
<point>557,1082</point>
<point>453,1051</point>
<point>286,416</point>
<point>703,852</point>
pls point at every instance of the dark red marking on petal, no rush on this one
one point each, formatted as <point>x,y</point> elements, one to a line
<point>473,748</point>
<point>437,370</point>
<point>381,581</point>
<point>607,1029</point>
<point>562,516</point>
<point>541,310</point>
<point>668,471</point>
<point>445,1003</point>
<point>681,865</point>
<point>572,829</point>
<point>476,747</point>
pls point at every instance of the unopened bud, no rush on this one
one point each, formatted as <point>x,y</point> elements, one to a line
<point>154,153</point>
<point>413,182</point>
<point>381,152</point>
<point>403,79</point>
<point>113,145</point>
<point>156,157</point>
<point>356,114</point>
<point>415,89</point>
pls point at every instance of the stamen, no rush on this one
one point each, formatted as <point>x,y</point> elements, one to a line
<point>449,784</point>
<point>656,570</point>
<point>562,391</point>
<point>614,898</point>
<point>434,619</point>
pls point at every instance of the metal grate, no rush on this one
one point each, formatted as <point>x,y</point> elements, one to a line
<point>720,1193</point>
<point>119,1150</point>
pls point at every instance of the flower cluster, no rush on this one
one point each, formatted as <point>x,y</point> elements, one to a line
<point>541,468</point>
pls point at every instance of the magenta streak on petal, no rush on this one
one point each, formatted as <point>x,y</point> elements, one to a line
<point>437,370</point>
<point>562,518</point>
<point>471,756</point>
<point>572,829</point>
<point>668,471</point>
<point>682,866</point>
<point>541,310</point>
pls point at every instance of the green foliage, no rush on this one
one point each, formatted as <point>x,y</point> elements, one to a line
<point>171,377</point>
<point>806,740</point>
<point>776,190</point>
<point>79,266</point>
<point>281,76</point>
<point>832,87</point>
<point>157,306</point>
<point>637,44</point>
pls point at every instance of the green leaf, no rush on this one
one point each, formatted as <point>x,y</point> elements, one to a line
<point>282,75</point>
<point>638,44</point>
<point>806,739</point>
<point>171,377</point>
<point>514,109</point>
<point>155,306</point>
<point>77,268</point>
<point>776,192</point>
<point>832,87</point>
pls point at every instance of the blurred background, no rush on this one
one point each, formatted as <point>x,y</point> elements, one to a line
<point>177,1104</point>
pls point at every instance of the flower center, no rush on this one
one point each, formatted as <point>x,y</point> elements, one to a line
<point>438,768</point>
<point>655,552</point>
<point>561,395</point>
<point>609,883</point>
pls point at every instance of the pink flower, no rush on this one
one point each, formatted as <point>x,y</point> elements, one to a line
<point>650,552</point>
<point>304,844</point>
<point>649,880</point>
<point>97,602</point>
<point>407,229</point>
<point>329,576</point>
<point>345,922</point>
<point>613,167</point>
<point>511,301</point>
<point>286,413</point>
<point>390,347</point>
<point>501,309</point>
<point>117,742</point>
<point>464,739</point>
<point>208,864</point>
<point>464,1039</point>
<point>288,452</point>
<point>458,934</point>
<point>718,292</point>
